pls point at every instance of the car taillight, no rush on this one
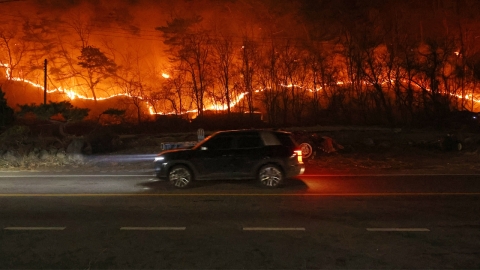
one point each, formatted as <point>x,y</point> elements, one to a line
<point>299,155</point>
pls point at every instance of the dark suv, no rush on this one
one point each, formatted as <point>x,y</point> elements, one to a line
<point>266,155</point>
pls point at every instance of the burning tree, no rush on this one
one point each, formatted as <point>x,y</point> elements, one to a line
<point>173,93</point>
<point>12,49</point>
<point>191,48</point>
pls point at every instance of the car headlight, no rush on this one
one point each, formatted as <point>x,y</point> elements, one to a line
<point>159,158</point>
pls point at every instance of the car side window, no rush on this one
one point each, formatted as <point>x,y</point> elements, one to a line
<point>249,141</point>
<point>219,143</point>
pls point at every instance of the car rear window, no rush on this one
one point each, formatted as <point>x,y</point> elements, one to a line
<point>269,139</point>
<point>286,139</point>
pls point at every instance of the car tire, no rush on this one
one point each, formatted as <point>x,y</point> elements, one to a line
<point>270,176</point>
<point>307,150</point>
<point>180,176</point>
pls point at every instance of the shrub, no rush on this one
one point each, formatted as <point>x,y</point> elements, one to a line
<point>6,113</point>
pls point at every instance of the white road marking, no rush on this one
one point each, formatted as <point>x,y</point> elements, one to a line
<point>35,228</point>
<point>153,228</point>
<point>398,230</point>
<point>272,229</point>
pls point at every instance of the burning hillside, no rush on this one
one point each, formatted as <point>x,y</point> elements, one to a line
<point>155,57</point>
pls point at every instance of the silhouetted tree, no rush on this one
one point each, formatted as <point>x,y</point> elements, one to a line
<point>269,82</point>
<point>224,55</point>
<point>116,115</point>
<point>190,46</point>
<point>97,65</point>
<point>249,67</point>
<point>130,79</point>
<point>6,113</point>
<point>61,113</point>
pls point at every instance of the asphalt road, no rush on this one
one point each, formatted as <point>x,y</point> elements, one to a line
<point>131,221</point>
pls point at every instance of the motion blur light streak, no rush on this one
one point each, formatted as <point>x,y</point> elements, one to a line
<point>123,158</point>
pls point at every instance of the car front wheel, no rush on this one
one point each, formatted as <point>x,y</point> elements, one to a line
<point>180,176</point>
<point>270,176</point>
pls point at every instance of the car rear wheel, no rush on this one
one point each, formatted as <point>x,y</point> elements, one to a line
<point>180,176</point>
<point>270,176</point>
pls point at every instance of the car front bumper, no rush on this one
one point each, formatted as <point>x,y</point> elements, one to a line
<point>161,170</point>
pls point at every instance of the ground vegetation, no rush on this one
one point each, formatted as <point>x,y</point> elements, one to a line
<point>357,149</point>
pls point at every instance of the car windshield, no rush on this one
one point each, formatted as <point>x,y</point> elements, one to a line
<point>204,142</point>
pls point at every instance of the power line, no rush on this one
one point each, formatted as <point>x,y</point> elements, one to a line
<point>7,1</point>
<point>155,35</point>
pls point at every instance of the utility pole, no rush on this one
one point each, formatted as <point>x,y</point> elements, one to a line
<point>45,83</point>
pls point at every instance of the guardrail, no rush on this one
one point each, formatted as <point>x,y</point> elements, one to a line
<point>186,144</point>
<point>176,145</point>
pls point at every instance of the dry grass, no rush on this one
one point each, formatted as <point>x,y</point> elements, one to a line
<point>366,151</point>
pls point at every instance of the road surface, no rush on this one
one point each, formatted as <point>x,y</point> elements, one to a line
<point>131,221</point>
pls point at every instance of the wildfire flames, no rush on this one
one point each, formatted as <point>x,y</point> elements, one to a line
<point>69,92</point>
<point>72,94</point>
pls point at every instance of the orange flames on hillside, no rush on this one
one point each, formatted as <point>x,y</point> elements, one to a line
<point>72,94</point>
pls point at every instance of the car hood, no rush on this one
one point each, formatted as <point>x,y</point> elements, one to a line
<point>175,152</point>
